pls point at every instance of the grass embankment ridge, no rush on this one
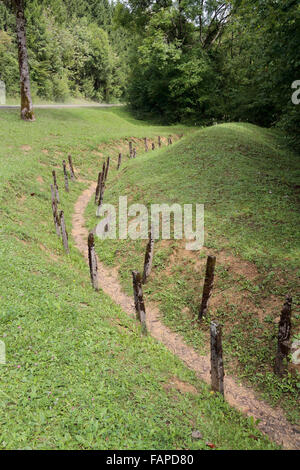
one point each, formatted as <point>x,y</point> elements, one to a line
<point>78,374</point>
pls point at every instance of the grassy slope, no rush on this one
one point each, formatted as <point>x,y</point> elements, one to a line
<point>247,179</point>
<point>78,372</point>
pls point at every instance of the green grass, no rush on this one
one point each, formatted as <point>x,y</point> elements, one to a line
<point>79,374</point>
<point>248,181</point>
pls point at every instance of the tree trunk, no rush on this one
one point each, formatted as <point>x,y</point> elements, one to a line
<point>27,113</point>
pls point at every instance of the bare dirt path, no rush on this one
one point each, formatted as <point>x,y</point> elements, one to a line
<point>272,421</point>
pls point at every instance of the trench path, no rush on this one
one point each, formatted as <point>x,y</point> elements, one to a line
<point>272,421</point>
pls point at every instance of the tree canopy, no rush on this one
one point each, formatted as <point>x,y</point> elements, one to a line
<point>190,60</point>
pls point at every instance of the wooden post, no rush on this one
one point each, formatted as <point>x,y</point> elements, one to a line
<point>139,300</point>
<point>134,153</point>
<point>146,144</point>
<point>148,257</point>
<point>54,211</point>
<point>284,334</point>
<point>64,232</point>
<point>106,169</point>
<point>103,170</point>
<point>101,190</point>
<point>159,141</point>
<point>97,192</point>
<point>72,172</point>
<point>93,261</point>
<point>208,285</point>
<point>66,176</point>
<point>119,161</point>
<point>216,358</point>
<point>153,146</point>
<point>130,149</point>
<point>55,186</point>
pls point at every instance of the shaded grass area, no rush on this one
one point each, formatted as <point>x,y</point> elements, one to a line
<point>79,375</point>
<point>248,181</point>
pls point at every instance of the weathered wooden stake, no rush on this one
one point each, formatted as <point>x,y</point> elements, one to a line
<point>93,261</point>
<point>284,334</point>
<point>159,141</point>
<point>72,172</point>
<point>55,186</point>
<point>101,190</point>
<point>153,146</point>
<point>148,257</point>
<point>54,211</point>
<point>130,150</point>
<point>103,170</point>
<point>97,192</point>
<point>139,300</point>
<point>216,358</point>
<point>106,168</point>
<point>146,144</point>
<point>134,153</point>
<point>66,176</point>
<point>64,233</point>
<point>169,140</point>
<point>119,161</point>
<point>208,285</point>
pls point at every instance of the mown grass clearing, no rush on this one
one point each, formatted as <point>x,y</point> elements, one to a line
<point>248,180</point>
<point>79,375</point>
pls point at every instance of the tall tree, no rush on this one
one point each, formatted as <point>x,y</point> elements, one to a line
<point>18,6</point>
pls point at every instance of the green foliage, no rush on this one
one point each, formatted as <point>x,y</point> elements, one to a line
<point>71,51</point>
<point>212,60</point>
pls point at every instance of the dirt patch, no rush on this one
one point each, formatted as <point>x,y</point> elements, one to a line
<point>180,255</point>
<point>26,148</point>
<point>24,242</point>
<point>40,179</point>
<point>45,151</point>
<point>49,253</point>
<point>236,265</point>
<point>187,313</point>
<point>232,264</point>
<point>22,199</point>
<point>227,296</point>
<point>183,387</point>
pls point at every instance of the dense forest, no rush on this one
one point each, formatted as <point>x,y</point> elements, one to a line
<point>196,61</point>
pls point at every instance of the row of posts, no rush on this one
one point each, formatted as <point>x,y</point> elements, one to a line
<point>216,352</point>
<point>58,216</point>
